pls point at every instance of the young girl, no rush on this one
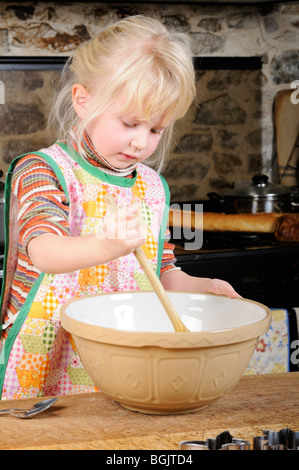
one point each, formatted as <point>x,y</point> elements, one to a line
<point>118,99</point>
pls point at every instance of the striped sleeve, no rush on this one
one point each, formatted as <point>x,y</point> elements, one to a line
<point>43,206</point>
<point>168,258</point>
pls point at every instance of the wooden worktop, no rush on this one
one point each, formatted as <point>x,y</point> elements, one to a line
<point>92,421</point>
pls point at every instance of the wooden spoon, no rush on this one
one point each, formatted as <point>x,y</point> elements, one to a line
<point>153,279</point>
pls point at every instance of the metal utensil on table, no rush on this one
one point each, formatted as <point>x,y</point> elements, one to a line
<point>224,441</point>
<point>153,279</point>
<point>236,444</point>
<point>33,411</point>
<point>194,445</point>
<point>284,439</point>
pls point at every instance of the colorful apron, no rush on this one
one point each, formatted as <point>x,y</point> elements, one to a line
<point>39,357</point>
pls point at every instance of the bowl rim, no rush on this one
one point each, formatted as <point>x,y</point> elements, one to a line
<point>178,340</point>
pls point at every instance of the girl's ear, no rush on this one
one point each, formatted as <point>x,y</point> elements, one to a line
<point>80,99</point>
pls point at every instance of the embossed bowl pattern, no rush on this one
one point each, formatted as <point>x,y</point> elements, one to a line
<point>128,347</point>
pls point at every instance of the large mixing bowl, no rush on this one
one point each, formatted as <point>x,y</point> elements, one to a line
<point>129,348</point>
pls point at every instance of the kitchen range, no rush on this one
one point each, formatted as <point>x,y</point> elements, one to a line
<point>259,266</point>
<point>257,252</point>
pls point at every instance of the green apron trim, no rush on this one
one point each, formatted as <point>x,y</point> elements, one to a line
<point>6,233</point>
<point>13,333</point>
<point>6,225</point>
<point>60,177</point>
<point>56,169</point>
<point>121,181</point>
<point>124,182</point>
<point>163,224</point>
<point>112,179</point>
<point>11,168</point>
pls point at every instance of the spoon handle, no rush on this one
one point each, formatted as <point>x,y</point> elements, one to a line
<point>153,279</point>
<point>12,410</point>
<point>159,290</point>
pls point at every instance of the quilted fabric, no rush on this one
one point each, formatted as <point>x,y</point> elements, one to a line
<point>272,352</point>
<point>43,360</point>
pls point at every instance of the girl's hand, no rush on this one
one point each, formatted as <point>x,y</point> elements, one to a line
<point>217,286</point>
<point>123,231</point>
<point>175,279</point>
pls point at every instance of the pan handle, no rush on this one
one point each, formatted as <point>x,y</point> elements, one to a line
<point>215,197</point>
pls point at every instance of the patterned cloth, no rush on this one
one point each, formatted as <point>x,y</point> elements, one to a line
<point>272,352</point>
<point>39,357</point>
<point>44,208</point>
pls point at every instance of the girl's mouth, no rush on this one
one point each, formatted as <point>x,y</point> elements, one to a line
<point>127,157</point>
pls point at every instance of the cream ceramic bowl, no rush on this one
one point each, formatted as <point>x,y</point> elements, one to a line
<point>129,348</point>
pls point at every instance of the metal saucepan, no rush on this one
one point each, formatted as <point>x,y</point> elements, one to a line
<point>259,196</point>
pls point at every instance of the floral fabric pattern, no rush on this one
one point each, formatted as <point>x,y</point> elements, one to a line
<point>43,360</point>
<point>272,351</point>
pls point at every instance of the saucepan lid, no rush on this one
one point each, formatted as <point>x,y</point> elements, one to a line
<point>260,187</point>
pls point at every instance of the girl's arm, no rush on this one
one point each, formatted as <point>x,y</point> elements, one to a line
<point>54,254</point>
<point>178,280</point>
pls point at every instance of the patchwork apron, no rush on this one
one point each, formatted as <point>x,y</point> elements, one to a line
<point>39,357</point>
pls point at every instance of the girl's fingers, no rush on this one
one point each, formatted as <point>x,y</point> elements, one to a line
<point>124,223</point>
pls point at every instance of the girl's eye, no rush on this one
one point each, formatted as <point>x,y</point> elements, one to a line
<point>131,125</point>
<point>128,124</point>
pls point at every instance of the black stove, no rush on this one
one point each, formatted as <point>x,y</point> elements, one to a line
<point>267,275</point>
<point>258,266</point>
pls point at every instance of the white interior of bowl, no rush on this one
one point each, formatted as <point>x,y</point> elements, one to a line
<point>142,311</point>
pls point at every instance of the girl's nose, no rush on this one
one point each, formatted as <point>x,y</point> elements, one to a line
<point>139,141</point>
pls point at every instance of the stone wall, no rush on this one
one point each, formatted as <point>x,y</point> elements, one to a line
<point>228,138</point>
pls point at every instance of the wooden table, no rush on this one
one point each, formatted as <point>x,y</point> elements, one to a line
<point>92,421</point>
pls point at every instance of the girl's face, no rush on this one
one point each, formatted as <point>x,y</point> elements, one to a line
<point>123,139</point>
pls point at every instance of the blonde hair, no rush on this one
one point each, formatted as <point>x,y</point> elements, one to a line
<point>140,55</point>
